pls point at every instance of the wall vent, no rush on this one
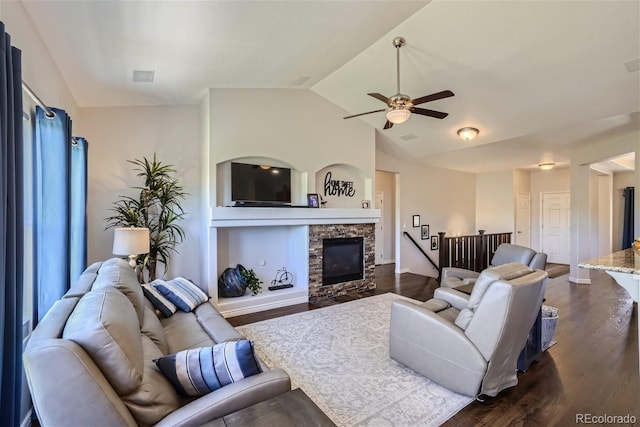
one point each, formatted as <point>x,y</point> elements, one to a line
<point>140,76</point>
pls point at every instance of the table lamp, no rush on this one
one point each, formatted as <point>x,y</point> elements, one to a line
<point>131,241</point>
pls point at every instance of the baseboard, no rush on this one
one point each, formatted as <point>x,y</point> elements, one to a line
<point>388,261</point>
<point>580,281</point>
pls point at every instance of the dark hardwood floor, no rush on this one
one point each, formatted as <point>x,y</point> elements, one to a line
<point>593,368</point>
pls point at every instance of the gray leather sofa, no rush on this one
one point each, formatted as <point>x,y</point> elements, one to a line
<point>471,348</point>
<point>90,362</point>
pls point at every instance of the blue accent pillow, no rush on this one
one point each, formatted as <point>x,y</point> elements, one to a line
<point>199,371</point>
<point>166,307</point>
<point>185,294</point>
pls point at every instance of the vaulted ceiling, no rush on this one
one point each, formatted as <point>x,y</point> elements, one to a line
<point>536,77</point>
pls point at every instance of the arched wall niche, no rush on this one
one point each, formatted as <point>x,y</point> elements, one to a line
<point>342,185</point>
<point>223,178</point>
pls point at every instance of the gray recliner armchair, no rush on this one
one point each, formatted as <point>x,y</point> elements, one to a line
<point>473,350</point>
<point>453,277</point>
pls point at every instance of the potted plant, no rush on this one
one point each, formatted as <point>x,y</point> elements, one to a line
<point>250,278</point>
<point>157,208</point>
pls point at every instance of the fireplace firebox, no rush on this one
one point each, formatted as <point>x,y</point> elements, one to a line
<point>342,260</point>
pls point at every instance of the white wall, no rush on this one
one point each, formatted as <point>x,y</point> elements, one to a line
<point>116,135</point>
<point>621,180</point>
<point>296,127</point>
<point>39,70</point>
<point>386,183</point>
<point>444,199</point>
<point>495,202</point>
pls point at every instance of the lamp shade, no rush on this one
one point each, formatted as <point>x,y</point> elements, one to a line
<point>398,115</point>
<point>130,241</point>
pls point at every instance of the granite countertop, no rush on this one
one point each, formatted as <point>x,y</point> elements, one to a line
<point>625,261</point>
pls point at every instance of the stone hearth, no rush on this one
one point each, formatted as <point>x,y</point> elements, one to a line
<point>319,232</point>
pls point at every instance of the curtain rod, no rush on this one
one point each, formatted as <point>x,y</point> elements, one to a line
<point>48,111</point>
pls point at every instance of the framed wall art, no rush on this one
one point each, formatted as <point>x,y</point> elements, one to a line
<point>424,232</point>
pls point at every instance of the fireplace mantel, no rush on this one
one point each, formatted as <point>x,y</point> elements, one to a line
<point>259,217</point>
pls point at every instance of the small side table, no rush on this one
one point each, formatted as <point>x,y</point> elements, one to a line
<point>290,409</point>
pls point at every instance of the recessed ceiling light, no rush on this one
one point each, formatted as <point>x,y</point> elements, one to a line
<point>140,76</point>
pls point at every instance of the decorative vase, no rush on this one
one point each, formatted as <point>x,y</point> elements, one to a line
<point>231,283</point>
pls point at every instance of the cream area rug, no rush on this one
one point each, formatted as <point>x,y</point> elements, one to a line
<point>339,356</point>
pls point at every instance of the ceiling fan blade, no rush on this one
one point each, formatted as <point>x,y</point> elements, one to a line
<point>432,97</point>
<point>430,113</point>
<point>362,114</point>
<point>381,97</point>
<point>388,125</point>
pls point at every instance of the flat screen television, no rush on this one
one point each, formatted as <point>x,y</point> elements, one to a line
<point>255,185</point>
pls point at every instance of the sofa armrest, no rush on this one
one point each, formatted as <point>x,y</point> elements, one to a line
<point>435,348</point>
<point>230,398</point>
<point>453,276</point>
<point>457,299</point>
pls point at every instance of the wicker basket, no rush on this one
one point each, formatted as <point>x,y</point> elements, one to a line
<point>549,324</point>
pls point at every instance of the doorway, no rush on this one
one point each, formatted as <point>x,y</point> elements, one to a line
<point>385,233</point>
<point>555,228</point>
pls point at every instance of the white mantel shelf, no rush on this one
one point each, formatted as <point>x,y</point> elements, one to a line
<point>258,217</point>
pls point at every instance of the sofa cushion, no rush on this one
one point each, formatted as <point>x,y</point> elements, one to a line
<point>105,324</point>
<point>464,318</point>
<point>183,331</point>
<point>166,307</point>
<point>84,282</point>
<point>155,397</point>
<point>199,371</point>
<point>152,328</point>
<point>118,273</point>
<point>185,294</point>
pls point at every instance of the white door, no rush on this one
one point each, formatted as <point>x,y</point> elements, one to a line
<point>379,235</point>
<point>555,227</point>
<point>523,219</point>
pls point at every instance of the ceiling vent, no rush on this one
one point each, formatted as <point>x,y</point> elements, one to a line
<point>408,137</point>
<point>143,76</point>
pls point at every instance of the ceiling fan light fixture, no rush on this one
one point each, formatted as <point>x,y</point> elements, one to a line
<point>468,133</point>
<point>547,166</point>
<point>398,115</point>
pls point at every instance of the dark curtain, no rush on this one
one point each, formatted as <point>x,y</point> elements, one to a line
<point>59,208</point>
<point>11,230</point>
<point>628,234</point>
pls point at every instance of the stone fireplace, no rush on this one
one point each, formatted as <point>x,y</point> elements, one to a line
<point>341,237</point>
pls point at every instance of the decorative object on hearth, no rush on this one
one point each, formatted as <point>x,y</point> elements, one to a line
<point>250,278</point>
<point>283,280</point>
<point>157,208</point>
<point>365,204</point>
<point>313,200</point>
<point>231,283</point>
<point>400,106</point>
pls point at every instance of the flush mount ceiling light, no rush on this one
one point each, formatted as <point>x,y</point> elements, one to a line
<point>546,166</point>
<point>468,133</point>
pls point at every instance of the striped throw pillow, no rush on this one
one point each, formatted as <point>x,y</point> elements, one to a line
<point>199,371</point>
<point>166,307</point>
<point>185,294</point>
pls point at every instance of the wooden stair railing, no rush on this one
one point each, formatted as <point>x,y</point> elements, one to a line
<point>423,252</point>
<point>472,252</point>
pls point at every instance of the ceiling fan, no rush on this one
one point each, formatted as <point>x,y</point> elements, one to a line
<point>400,106</point>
